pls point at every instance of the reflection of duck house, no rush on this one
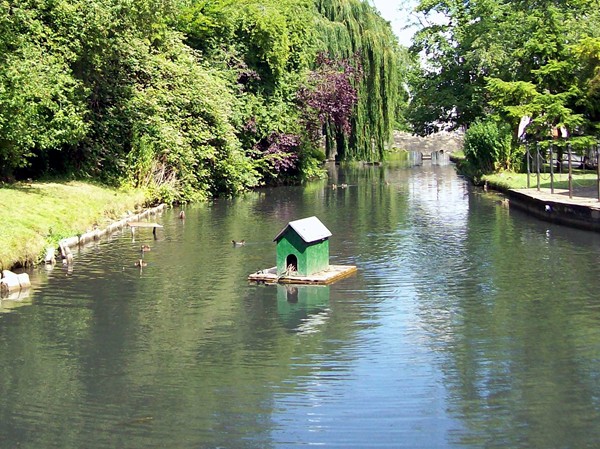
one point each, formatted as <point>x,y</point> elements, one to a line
<point>303,256</point>
<point>303,308</point>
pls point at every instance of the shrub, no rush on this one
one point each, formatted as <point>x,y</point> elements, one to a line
<point>487,147</point>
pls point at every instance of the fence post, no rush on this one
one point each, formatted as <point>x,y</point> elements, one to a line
<point>570,172</point>
<point>537,165</point>
<point>551,169</point>
<point>527,157</point>
<point>598,171</point>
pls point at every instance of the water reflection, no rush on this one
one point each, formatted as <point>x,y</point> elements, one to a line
<point>303,308</point>
<point>14,300</point>
<point>467,325</point>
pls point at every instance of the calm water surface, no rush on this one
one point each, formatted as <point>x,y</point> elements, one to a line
<point>468,325</point>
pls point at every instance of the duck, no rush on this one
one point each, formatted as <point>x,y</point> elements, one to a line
<point>145,248</point>
<point>240,243</point>
<point>140,263</point>
<point>182,215</point>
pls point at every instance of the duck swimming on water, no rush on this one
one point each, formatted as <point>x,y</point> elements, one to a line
<point>240,243</point>
<point>145,248</point>
<point>140,263</point>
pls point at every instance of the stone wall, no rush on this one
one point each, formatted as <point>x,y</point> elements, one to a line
<point>568,214</point>
<point>449,142</point>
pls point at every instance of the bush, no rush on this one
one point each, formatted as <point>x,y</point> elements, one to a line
<point>487,147</point>
<point>183,132</point>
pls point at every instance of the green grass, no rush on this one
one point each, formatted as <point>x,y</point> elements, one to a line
<point>459,155</point>
<point>509,180</point>
<point>35,215</point>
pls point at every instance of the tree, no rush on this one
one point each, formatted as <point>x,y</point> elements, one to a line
<point>353,31</point>
<point>512,41</point>
<point>190,98</point>
<point>328,101</point>
<point>41,104</point>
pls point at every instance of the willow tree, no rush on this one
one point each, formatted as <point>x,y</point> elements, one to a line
<point>353,30</point>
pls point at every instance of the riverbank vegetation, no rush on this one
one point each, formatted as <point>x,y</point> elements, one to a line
<point>489,66</point>
<point>179,101</point>
<point>191,99</point>
<point>186,100</point>
<point>34,215</point>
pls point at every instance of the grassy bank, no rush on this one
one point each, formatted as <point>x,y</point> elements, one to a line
<point>35,215</point>
<point>583,180</point>
<point>509,180</point>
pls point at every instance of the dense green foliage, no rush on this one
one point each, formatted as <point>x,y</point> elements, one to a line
<point>506,59</point>
<point>190,98</point>
<point>352,29</point>
<point>487,147</point>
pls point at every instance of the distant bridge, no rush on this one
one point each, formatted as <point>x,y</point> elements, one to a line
<point>446,142</point>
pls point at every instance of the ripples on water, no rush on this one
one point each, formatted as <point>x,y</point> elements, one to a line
<point>468,324</point>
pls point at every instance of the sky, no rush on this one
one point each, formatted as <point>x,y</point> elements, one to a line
<point>395,12</point>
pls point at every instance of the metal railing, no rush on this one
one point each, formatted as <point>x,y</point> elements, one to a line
<point>539,159</point>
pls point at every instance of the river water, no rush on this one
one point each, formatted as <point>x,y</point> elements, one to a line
<point>467,325</point>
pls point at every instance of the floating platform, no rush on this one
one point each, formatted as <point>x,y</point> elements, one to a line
<point>328,276</point>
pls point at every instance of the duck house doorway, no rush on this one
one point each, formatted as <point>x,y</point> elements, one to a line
<point>291,263</point>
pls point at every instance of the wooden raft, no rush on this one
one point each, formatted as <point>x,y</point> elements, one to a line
<point>331,274</point>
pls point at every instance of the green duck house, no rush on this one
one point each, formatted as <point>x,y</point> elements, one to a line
<point>302,256</point>
<point>303,247</point>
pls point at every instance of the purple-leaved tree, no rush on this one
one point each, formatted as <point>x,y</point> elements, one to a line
<point>329,98</point>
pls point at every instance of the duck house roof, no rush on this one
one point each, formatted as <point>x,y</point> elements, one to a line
<point>309,229</point>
